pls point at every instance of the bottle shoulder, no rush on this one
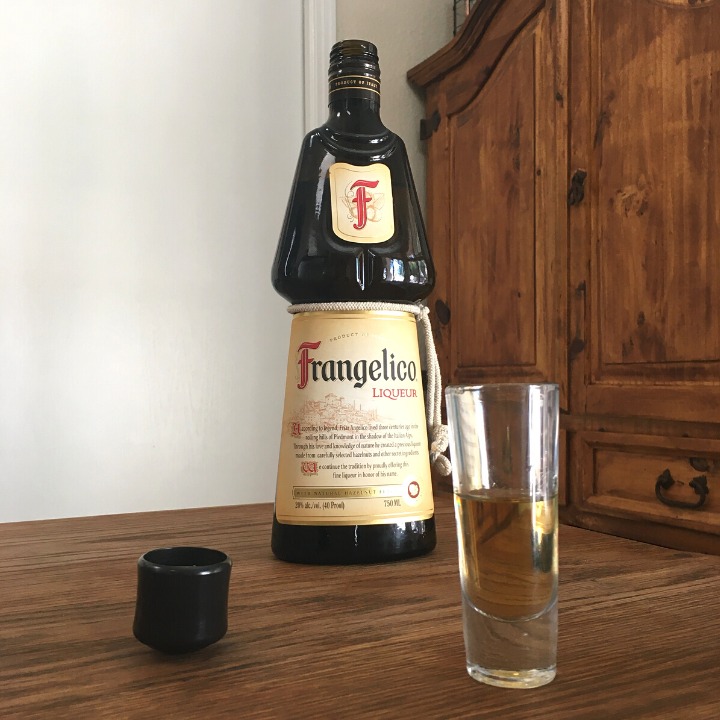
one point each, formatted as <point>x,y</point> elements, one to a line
<point>358,147</point>
<point>314,261</point>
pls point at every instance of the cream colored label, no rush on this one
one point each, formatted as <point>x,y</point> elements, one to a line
<point>362,202</point>
<point>353,448</point>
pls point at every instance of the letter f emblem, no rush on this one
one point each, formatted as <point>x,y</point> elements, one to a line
<point>362,199</point>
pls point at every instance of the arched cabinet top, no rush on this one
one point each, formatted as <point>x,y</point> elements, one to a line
<point>489,29</point>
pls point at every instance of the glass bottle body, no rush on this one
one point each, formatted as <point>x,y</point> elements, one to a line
<point>314,264</point>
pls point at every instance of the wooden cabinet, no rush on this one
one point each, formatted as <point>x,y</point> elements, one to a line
<point>573,210</point>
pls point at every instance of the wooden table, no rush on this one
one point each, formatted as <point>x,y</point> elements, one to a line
<point>639,630</point>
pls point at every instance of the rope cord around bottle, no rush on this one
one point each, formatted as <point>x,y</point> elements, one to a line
<point>438,433</point>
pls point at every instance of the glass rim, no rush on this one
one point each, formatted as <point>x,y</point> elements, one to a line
<point>458,389</point>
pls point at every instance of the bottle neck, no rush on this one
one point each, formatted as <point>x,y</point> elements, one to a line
<point>354,90</point>
<point>352,113</point>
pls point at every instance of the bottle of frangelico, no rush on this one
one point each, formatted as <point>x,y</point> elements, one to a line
<point>353,479</point>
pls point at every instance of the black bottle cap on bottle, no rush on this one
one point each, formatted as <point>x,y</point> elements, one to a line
<point>354,68</point>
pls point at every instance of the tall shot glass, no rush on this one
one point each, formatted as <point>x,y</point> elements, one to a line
<point>504,449</point>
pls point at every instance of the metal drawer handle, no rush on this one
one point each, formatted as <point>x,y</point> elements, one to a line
<point>698,484</point>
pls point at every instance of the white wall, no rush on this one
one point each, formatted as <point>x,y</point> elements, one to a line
<point>406,32</point>
<point>146,154</point>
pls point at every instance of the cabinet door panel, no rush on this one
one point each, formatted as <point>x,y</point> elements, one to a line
<point>497,120</point>
<point>653,228</point>
<point>507,260</point>
<point>494,219</point>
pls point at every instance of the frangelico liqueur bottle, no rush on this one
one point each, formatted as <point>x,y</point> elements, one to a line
<point>353,479</point>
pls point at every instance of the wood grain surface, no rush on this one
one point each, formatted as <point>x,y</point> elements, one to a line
<point>639,629</point>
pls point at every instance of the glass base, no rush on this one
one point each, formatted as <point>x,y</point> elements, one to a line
<point>512,678</point>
